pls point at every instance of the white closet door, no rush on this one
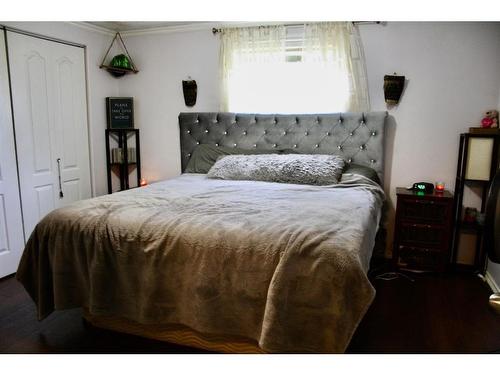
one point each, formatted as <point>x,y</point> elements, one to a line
<point>50,116</point>
<point>11,226</point>
<point>71,122</point>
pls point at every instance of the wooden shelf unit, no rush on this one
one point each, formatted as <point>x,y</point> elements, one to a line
<point>461,227</point>
<point>122,169</point>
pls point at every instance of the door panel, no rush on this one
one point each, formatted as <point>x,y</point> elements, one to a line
<point>38,113</point>
<point>44,199</point>
<point>50,112</point>
<point>71,122</point>
<point>11,226</point>
<point>4,232</point>
<point>31,78</point>
<point>71,190</point>
<point>66,100</point>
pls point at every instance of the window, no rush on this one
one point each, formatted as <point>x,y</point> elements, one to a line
<point>292,69</point>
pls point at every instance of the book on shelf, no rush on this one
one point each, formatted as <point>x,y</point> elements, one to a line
<point>117,155</point>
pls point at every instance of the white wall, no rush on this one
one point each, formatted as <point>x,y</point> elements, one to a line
<point>164,60</point>
<point>453,78</point>
<point>99,83</point>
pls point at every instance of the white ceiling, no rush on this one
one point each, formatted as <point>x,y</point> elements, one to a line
<point>139,25</point>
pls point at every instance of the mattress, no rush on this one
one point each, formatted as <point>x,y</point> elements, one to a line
<point>280,264</point>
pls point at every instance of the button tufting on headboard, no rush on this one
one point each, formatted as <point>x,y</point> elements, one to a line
<point>357,137</point>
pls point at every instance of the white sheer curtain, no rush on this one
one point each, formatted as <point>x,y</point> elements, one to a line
<point>250,57</point>
<point>314,68</point>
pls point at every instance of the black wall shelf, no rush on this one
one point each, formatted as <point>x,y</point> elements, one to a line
<point>119,160</point>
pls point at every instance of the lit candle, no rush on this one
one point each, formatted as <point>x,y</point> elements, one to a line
<point>143,182</point>
<point>440,186</point>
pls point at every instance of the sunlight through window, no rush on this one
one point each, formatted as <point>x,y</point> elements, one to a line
<point>290,69</point>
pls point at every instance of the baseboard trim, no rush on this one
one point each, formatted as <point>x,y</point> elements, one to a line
<point>491,282</point>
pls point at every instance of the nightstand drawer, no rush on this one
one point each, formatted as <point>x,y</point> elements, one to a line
<point>420,258</point>
<point>422,230</point>
<point>421,210</point>
<point>421,235</point>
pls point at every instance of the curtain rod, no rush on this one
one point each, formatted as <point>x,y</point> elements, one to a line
<point>218,30</point>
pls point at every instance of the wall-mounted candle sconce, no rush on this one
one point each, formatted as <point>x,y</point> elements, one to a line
<point>190,89</point>
<point>393,88</point>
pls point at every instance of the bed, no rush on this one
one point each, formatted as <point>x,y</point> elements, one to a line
<point>228,266</point>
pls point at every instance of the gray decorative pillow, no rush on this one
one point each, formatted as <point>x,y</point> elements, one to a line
<point>205,155</point>
<point>363,171</point>
<point>290,168</point>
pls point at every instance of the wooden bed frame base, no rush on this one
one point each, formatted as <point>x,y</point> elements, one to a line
<point>177,334</point>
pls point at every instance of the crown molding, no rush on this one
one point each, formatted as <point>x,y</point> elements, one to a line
<point>91,27</point>
<point>198,26</point>
<point>195,26</point>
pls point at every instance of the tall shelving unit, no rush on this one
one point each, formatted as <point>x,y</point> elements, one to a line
<point>123,167</point>
<point>475,150</point>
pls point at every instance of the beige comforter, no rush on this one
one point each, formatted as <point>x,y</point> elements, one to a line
<point>282,264</point>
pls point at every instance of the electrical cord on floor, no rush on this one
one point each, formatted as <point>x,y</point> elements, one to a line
<point>388,276</point>
<point>375,270</point>
<point>381,273</point>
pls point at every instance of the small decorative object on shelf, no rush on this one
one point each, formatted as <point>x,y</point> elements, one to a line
<point>470,215</point>
<point>121,61</point>
<point>490,119</point>
<point>423,228</point>
<point>480,218</point>
<point>120,64</point>
<point>489,124</point>
<point>123,161</point>
<point>117,155</point>
<point>120,113</point>
<point>439,186</point>
<point>393,88</point>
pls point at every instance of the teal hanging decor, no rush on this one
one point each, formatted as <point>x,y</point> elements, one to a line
<point>120,64</point>
<point>121,61</point>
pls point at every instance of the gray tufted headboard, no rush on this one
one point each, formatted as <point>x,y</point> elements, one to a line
<point>357,137</point>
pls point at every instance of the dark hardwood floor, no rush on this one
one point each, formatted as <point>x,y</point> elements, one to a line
<point>432,314</point>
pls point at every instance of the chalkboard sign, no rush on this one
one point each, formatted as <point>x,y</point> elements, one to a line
<point>120,113</point>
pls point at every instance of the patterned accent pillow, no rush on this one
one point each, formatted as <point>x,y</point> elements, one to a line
<point>291,168</point>
<point>204,156</point>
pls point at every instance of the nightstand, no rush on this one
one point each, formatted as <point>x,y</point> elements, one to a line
<point>423,229</point>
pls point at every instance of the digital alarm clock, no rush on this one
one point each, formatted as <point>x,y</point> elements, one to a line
<point>425,187</point>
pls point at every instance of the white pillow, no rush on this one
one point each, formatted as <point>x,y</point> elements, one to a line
<point>289,168</point>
